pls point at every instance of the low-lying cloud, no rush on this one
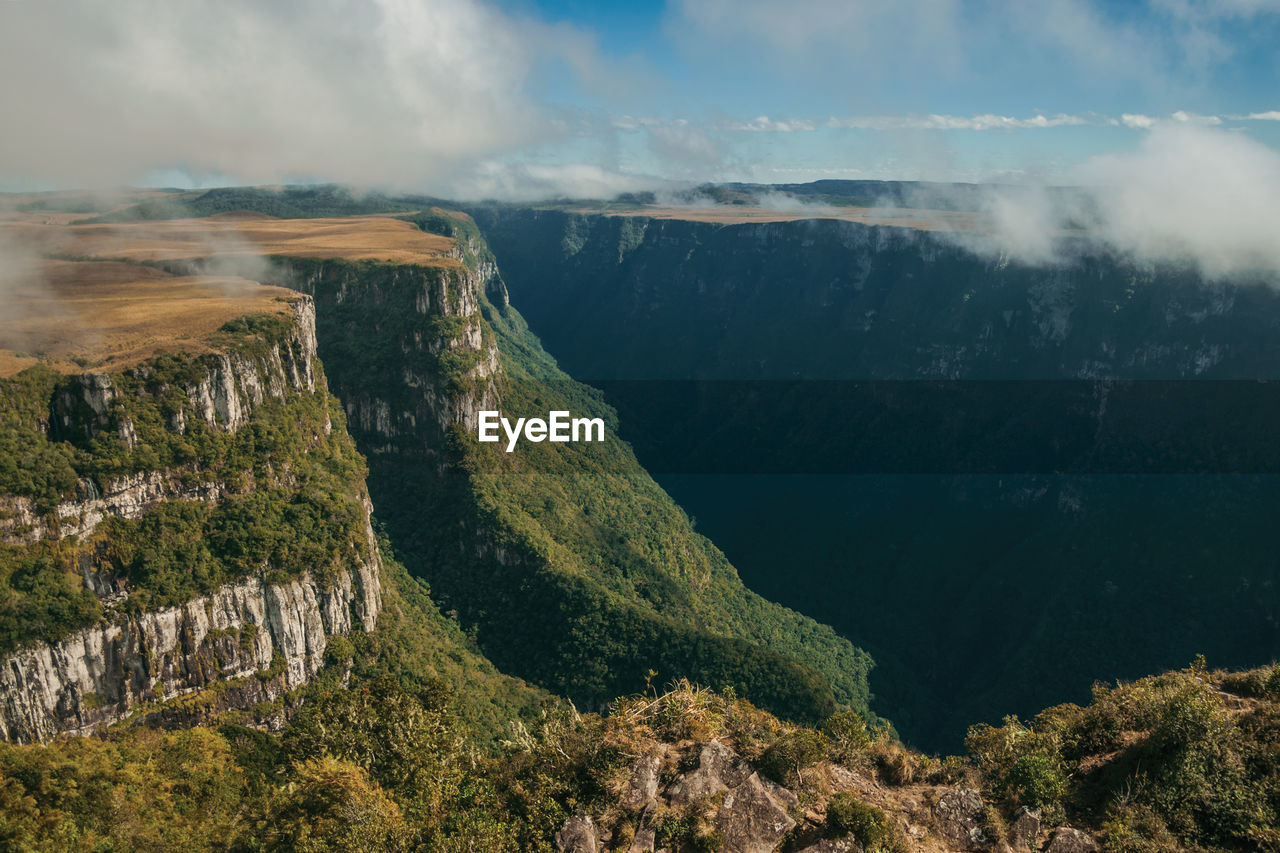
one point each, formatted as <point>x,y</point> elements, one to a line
<point>388,92</point>
<point>1190,192</point>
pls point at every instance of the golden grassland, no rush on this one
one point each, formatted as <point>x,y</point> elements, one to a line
<point>356,238</point>
<point>923,220</point>
<point>81,314</point>
<point>93,307</point>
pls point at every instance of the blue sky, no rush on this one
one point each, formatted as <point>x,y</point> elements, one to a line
<point>883,70</point>
<point>525,97</point>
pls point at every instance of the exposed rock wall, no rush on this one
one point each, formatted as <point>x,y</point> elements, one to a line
<point>408,405</point>
<point>252,640</point>
<point>125,497</point>
<point>99,675</point>
<point>232,386</point>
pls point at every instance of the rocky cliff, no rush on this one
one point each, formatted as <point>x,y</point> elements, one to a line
<point>626,297</point>
<point>177,448</point>
<point>816,368</point>
<point>253,640</point>
<point>539,552</point>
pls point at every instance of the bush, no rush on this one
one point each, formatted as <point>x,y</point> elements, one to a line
<point>335,806</point>
<point>848,734</point>
<point>786,757</point>
<point>1036,780</point>
<point>868,825</point>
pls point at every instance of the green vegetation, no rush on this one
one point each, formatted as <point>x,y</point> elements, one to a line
<point>1181,760</point>
<point>868,825</point>
<point>291,476</point>
<point>927,573</point>
<point>601,577</point>
<point>298,202</point>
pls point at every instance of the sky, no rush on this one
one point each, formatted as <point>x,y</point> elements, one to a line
<point>529,98</point>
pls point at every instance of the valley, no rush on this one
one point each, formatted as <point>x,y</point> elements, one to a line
<point>1012,480</point>
<point>249,527</point>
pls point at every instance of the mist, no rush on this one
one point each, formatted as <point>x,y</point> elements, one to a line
<point>1188,193</point>
<point>391,92</point>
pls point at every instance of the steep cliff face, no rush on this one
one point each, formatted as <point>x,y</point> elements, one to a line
<point>254,640</point>
<point>571,566</point>
<point>623,297</point>
<point>418,338</point>
<point>178,450</point>
<point>966,583</point>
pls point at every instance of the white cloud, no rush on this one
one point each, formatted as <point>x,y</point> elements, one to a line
<point>1269,115</point>
<point>987,121</point>
<point>1192,118</point>
<point>1188,191</point>
<point>764,124</point>
<point>533,182</point>
<point>1138,121</point>
<point>385,92</point>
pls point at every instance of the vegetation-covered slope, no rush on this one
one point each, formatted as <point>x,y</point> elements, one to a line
<point>965,583</point>
<point>1179,762</point>
<point>570,565</point>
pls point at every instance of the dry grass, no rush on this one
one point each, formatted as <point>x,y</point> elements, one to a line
<point>78,314</point>
<point>922,220</point>
<point>356,238</point>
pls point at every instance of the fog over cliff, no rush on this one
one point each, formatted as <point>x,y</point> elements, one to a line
<point>1206,195</point>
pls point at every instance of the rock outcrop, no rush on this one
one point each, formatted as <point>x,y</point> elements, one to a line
<point>231,387</point>
<point>959,816</point>
<point>753,816</point>
<point>253,640</point>
<point>412,403</point>
<point>1067,839</point>
<point>124,497</point>
<point>244,630</point>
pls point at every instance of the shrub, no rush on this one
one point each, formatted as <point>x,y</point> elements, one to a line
<point>848,734</point>
<point>787,757</point>
<point>868,825</point>
<point>1037,781</point>
<point>335,806</point>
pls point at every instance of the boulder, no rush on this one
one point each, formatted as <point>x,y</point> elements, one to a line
<point>642,784</point>
<point>719,769</point>
<point>1025,830</point>
<point>751,820</point>
<point>959,817</point>
<point>1067,839</point>
<point>578,835</point>
<point>643,841</point>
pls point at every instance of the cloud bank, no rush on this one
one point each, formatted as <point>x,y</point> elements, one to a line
<point>389,92</point>
<point>1190,192</point>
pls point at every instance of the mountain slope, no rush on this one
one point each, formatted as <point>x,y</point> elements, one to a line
<point>984,581</point>
<point>571,566</point>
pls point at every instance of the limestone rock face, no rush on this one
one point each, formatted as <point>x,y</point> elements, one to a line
<point>642,786</point>
<point>98,675</point>
<point>225,397</point>
<point>959,816</point>
<point>751,819</point>
<point>1067,839</point>
<point>719,769</point>
<point>257,640</point>
<point>124,497</point>
<point>416,403</point>
<point>235,385</point>
<point>578,835</point>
